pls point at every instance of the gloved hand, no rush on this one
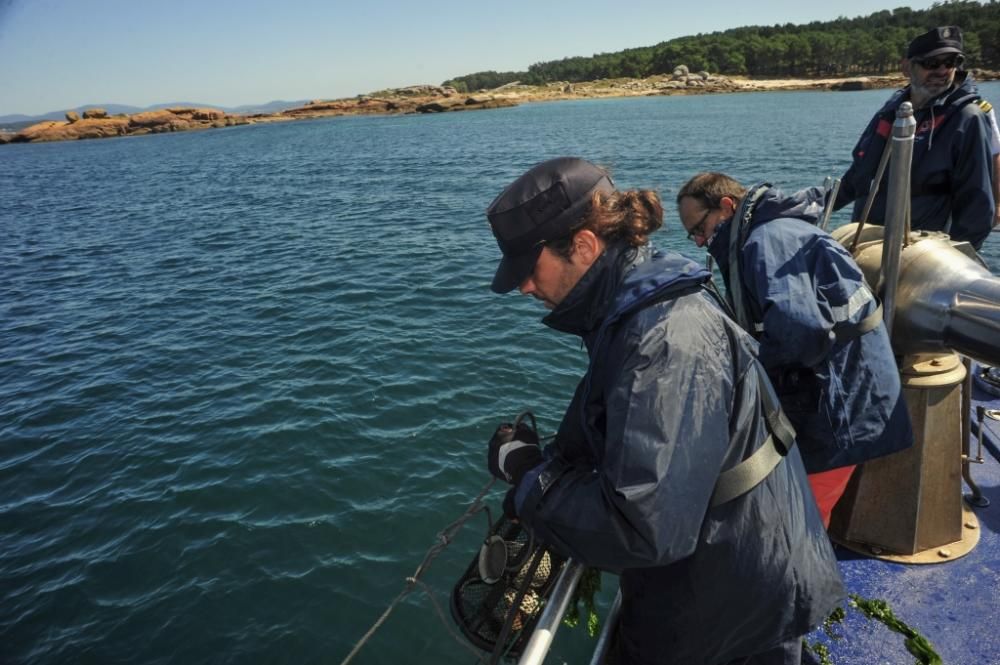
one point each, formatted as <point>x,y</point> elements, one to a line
<point>512,453</point>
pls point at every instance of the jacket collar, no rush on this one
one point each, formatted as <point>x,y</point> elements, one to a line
<point>585,306</point>
<point>963,89</point>
<point>622,280</point>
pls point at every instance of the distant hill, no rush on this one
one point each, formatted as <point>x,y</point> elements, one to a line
<point>269,107</point>
<point>19,121</point>
<point>862,46</point>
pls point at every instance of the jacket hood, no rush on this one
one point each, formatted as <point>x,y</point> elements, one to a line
<point>806,204</point>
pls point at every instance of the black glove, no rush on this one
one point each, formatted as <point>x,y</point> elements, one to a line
<point>513,452</point>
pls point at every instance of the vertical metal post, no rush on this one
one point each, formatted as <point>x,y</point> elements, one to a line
<point>897,207</point>
<point>556,606</point>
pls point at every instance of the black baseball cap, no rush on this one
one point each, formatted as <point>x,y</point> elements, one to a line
<point>946,39</point>
<point>542,205</point>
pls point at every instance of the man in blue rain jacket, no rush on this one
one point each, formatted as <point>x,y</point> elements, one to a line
<point>952,161</point>
<point>672,400</point>
<point>820,328</point>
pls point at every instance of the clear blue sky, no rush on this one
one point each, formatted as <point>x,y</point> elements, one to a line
<point>61,54</point>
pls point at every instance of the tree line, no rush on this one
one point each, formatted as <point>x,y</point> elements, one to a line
<point>844,47</point>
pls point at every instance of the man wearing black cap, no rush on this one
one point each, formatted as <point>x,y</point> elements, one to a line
<point>673,465</point>
<point>951,185</point>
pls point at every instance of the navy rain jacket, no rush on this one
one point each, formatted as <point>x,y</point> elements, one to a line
<point>670,400</point>
<point>951,170</point>
<point>846,401</point>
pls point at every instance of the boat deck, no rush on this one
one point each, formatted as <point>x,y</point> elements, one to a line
<point>954,604</point>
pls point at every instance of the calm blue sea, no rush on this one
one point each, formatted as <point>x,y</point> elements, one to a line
<point>246,375</point>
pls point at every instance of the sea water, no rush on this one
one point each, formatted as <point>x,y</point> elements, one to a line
<point>247,375</point>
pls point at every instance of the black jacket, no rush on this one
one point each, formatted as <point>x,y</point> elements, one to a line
<point>950,174</point>
<point>671,399</point>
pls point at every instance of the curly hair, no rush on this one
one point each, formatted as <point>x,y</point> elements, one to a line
<point>630,215</point>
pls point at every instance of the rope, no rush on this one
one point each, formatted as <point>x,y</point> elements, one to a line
<point>872,191</point>
<point>444,539</point>
<point>444,620</point>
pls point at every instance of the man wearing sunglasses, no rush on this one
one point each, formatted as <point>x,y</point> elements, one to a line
<point>951,186</point>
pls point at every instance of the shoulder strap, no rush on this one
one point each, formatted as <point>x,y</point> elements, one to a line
<point>739,228</point>
<point>845,332</point>
<point>985,106</point>
<point>850,331</point>
<point>752,471</point>
<point>749,473</point>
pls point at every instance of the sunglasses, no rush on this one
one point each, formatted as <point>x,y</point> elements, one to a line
<point>698,230</point>
<point>949,61</point>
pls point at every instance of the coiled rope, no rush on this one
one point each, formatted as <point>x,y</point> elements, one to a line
<point>444,538</point>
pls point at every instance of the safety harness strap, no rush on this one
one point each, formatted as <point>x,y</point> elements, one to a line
<point>747,474</point>
<point>737,238</point>
<point>752,471</point>
<point>844,332</point>
<point>777,421</point>
<point>854,330</point>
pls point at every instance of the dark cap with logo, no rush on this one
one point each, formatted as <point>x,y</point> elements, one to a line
<point>946,39</point>
<point>544,204</point>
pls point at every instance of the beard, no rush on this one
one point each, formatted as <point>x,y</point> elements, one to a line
<point>931,87</point>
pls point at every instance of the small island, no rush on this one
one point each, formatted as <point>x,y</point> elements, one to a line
<point>97,123</point>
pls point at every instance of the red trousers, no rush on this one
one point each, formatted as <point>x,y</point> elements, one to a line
<point>828,487</point>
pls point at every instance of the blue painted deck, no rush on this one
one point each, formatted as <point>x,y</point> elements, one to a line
<point>955,605</point>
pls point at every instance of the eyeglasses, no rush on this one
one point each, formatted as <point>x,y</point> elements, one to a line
<point>949,61</point>
<point>698,230</point>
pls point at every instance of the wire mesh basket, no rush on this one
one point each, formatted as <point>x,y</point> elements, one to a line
<point>500,596</point>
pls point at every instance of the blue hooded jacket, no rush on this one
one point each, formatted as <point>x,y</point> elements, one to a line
<point>951,169</point>
<point>670,399</point>
<point>844,398</point>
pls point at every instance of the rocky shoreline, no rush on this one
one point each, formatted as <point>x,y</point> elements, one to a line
<point>96,123</point>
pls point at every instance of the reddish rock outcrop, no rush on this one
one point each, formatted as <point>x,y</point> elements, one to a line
<point>88,128</point>
<point>96,124</point>
<point>159,121</point>
<point>198,114</point>
<point>55,130</point>
<point>414,99</point>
